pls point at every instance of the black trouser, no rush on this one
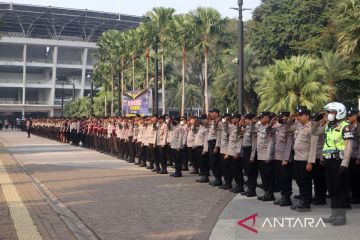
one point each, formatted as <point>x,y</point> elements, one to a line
<point>354,179</point>
<point>319,180</point>
<point>283,177</point>
<point>192,158</point>
<point>177,157</point>
<point>144,154</point>
<point>237,170</point>
<point>304,181</point>
<point>337,184</point>
<point>266,170</point>
<point>250,169</point>
<point>202,161</point>
<point>153,158</point>
<point>185,157</point>
<point>214,159</point>
<point>28,131</point>
<point>163,157</point>
<point>226,170</point>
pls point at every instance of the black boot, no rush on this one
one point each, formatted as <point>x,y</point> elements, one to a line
<point>278,201</point>
<point>304,207</point>
<point>226,186</point>
<point>286,201</point>
<point>269,196</point>
<point>217,182</point>
<point>331,218</point>
<point>340,217</point>
<point>251,193</point>
<point>238,189</point>
<point>203,179</point>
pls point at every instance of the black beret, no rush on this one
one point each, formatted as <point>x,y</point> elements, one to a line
<point>302,111</point>
<point>284,114</point>
<point>203,116</point>
<point>226,115</point>
<point>263,114</point>
<point>236,115</point>
<point>214,110</point>
<point>250,115</point>
<point>352,112</point>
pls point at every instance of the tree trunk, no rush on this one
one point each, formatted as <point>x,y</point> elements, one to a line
<point>112,90</point>
<point>133,69</point>
<point>147,68</point>
<point>163,83</point>
<point>206,103</point>
<point>183,82</point>
<point>105,100</point>
<point>122,84</point>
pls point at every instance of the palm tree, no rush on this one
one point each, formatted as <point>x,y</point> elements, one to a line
<point>162,17</point>
<point>292,82</point>
<point>134,46</point>
<point>183,33</point>
<point>108,53</point>
<point>333,68</point>
<point>346,19</point>
<point>208,22</point>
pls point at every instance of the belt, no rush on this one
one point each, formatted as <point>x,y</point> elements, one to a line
<point>332,156</point>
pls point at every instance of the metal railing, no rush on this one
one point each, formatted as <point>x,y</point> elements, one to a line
<point>4,101</point>
<point>11,59</point>
<point>38,60</point>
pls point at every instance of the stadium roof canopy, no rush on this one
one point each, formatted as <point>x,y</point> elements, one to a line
<point>60,23</point>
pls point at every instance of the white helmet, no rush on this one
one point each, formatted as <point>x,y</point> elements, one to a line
<point>338,107</point>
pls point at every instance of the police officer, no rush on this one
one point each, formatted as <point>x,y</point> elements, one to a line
<point>222,144</point>
<point>248,142</point>
<point>176,146</point>
<point>302,162</point>
<point>336,152</point>
<point>234,152</point>
<point>214,152</point>
<point>354,166</point>
<point>201,148</point>
<point>282,166</point>
<point>264,156</point>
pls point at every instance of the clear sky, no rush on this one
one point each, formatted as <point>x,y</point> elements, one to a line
<point>140,7</point>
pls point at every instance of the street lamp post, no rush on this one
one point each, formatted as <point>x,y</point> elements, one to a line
<point>91,94</point>
<point>118,97</point>
<point>156,101</point>
<point>241,59</point>
<point>62,101</point>
<point>240,9</point>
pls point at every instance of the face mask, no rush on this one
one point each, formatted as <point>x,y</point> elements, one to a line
<point>167,120</point>
<point>182,123</point>
<point>223,120</point>
<point>331,117</point>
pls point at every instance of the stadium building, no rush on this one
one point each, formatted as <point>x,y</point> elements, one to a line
<point>47,54</point>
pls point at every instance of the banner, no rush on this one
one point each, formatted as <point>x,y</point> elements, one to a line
<point>136,102</point>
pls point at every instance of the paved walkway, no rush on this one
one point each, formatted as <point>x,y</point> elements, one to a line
<point>76,193</point>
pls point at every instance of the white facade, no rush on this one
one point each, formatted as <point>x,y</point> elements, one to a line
<point>34,72</point>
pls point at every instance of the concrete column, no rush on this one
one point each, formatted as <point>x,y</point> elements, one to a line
<point>24,74</point>
<point>53,80</point>
<point>83,73</point>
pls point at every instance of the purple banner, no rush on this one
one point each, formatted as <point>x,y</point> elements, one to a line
<point>136,102</point>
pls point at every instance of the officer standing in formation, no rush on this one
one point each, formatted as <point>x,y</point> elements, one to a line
<point>320,150</point>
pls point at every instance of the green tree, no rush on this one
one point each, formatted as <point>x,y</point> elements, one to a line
<point>348,27</point>
<point>162,18</point>
<point>334,68</point>
<point>283,28</point>
<point>183,34</point>
<point>208,23</point>
<point>293,82</point>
